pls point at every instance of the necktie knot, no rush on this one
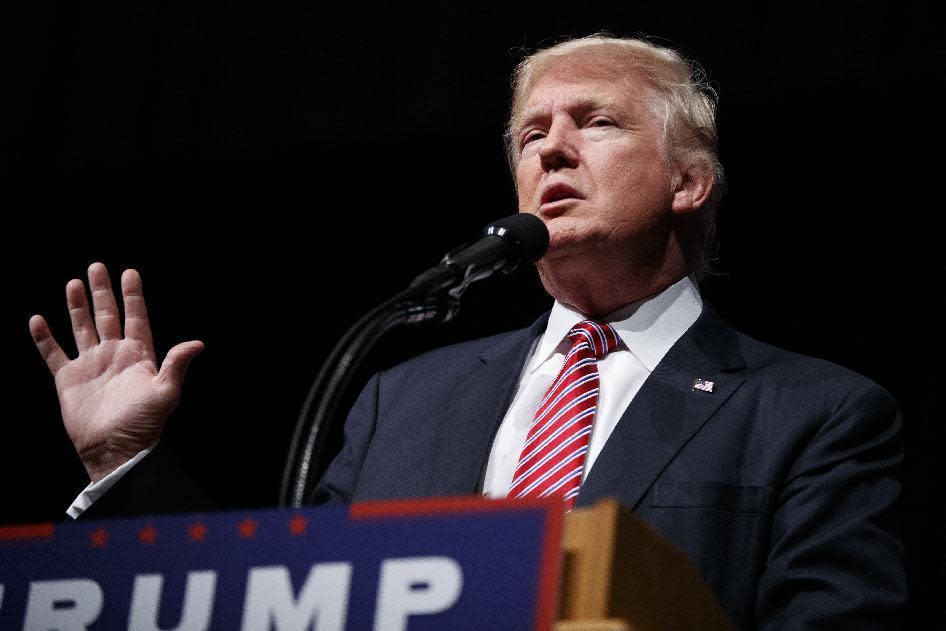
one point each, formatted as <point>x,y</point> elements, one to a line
<point>600,338</point>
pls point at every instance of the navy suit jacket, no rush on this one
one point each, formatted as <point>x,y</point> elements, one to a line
<point>781,484</point>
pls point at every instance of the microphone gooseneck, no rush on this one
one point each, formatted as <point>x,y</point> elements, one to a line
<point>434,296</point>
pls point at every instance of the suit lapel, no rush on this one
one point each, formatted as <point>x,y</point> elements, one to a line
<point>477,407</point>
<point>666,412</point>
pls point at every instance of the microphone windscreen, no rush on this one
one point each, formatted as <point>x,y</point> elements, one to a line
<point>527,230</point>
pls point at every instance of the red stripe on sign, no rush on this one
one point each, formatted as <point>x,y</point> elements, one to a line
<point>27,531</point>
<point>547,606</point>
<point>441,505</point>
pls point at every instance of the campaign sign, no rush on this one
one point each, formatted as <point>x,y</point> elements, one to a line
<point>432,564</point>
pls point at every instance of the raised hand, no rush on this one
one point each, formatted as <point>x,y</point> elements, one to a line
<point>113,397</point>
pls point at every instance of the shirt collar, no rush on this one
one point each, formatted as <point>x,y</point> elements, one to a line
<point>648,327</point>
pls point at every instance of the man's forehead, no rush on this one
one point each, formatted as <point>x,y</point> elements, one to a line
<point>547,101</point>
<point>583,84</point>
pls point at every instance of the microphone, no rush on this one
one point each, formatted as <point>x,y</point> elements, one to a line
<point>506,245</point>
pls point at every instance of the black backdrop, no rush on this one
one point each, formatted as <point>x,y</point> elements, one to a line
<point>275,171</point>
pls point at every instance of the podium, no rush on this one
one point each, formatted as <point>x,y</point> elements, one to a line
<point>618,574</point>
<point>454,563</point>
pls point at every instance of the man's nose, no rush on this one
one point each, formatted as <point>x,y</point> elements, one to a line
<point>558,150</point>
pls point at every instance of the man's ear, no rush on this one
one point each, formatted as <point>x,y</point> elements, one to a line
<point>693,184</point>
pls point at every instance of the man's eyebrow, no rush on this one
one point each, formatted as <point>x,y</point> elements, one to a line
<point>581,104</point>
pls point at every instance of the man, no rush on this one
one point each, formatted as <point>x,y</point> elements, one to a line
<point>775,473</point>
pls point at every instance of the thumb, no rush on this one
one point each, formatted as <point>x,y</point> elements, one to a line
<point>175,364</point>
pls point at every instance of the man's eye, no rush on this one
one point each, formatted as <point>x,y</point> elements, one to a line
<point>532,136</point>
<point>600,121</point>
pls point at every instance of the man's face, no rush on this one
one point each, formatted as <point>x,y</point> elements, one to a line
<point>592,164</point>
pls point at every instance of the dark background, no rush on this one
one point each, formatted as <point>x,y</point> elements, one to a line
<point>275,171</point>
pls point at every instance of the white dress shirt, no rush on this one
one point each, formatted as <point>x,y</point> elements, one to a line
<point>647,330</point>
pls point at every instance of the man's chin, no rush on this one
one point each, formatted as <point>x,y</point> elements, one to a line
<point>560,238</point>
<point>563,259</point>
<point>564,244</point>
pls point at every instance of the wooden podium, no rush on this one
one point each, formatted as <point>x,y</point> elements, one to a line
<point>618,574</point>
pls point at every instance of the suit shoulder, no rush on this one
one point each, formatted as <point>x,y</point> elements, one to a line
<point>459,356</point>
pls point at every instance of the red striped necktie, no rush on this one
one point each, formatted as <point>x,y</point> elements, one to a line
<point>553,458</point>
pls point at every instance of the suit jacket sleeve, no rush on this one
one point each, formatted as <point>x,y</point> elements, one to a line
<point>835,559</point>
<point>339,482</point>
<point>156,485</point>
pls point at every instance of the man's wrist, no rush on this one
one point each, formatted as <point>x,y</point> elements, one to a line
<point>103,460</point>
<point>97,488</point>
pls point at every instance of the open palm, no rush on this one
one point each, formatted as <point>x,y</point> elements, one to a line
<point>113,397</point>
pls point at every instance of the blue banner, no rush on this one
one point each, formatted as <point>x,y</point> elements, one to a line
<point>428,565</point>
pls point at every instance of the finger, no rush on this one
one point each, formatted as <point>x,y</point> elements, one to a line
<point>47,345</point>
<point>178,359</point>
<point>137,326</point>
<point>82,328</point>
<point>107,322</point>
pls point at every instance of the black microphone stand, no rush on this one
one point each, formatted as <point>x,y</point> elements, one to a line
<point>434,296</point>
<point>306,460</point>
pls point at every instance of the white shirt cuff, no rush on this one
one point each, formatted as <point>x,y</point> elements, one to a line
<point>95,490</point>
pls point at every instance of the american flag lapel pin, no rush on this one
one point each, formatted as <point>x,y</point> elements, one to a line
<point>703,385</point>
